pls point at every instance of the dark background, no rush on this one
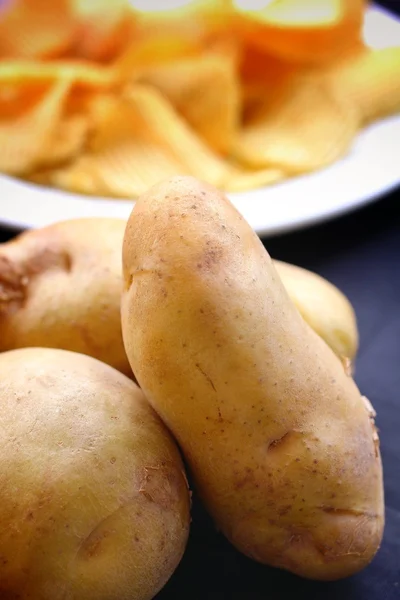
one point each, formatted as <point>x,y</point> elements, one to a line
<point>359,253</point>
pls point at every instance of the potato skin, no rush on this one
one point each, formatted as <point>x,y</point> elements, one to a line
<point>323,306</point>
<point>94,500</point>
<point>60,287</point>
<point>281,446</point>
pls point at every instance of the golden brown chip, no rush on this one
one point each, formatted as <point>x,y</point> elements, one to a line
<point>196,19</point>
<point>124,169</point>
<point>302,31</point>
<point>172,132</point>
<point>24,141</point>
<point>261,75</point>
<point>153,50</point>
<point>171,34</point>
<point>370,80</point>
<point>105,28</point>
<point>41,177</point>
<point>37,28</point>
<point>84,74</point>
<point>18,99</point>
<point>140,141</point>
<point>241,180</point>
<point>307,126</point>
<point>66,142</point>
<point>205,91</point>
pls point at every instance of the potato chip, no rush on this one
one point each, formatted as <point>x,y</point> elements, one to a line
<point>241,180</point>
<point>205,91</point>
<point>23,140</point>
<point>125,163</point>
<point>261,76</point>
<point>164,35</point>
<point>306,31</point>
<point>66,142</point>
<point>80,73</point>
<point>105,28</point>
<point>195,18</point>
<point>141,140</point>
<point>256,65</point>
<point>371,82</point>
<point>153,50</point>
<point>42,177</point>
<point>37,28</point>
<point>172,132</point>
<point>306,127</point>
<point>18,99</point>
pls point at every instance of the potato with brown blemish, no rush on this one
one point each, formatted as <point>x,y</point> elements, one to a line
<point>323,306</point>
<point>281,445</point>
<point>94,500</point>
<point>60,287</point>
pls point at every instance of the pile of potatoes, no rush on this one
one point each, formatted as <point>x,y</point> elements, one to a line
<point>195,340</point>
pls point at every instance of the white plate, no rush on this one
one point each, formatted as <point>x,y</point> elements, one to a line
<point>369,171</point>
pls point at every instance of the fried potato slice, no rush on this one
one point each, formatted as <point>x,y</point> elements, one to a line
<point>17,99</point>
<point>37,29</point>
<point>164,35</point>
<point>140,140</point>
<point>205,91</point>
<point>82,73</point>
<point>371,82</point>
<point>241,179</point>
<point>142,54</point>
<point>25,141</point>
<point>197,18</point>
<point>306,126</point>
<point>305,31</point>
<point>67,141</point>
<point>165,125</point>
<point>105,28</point>
<point>261,75</point>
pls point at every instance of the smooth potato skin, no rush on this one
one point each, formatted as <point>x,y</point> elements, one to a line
<point>60,287</point>
<point>94,501</point>
<point>323,306</point>
<point>277,436</point>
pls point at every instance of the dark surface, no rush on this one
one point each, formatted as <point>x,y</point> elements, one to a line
<point>359,253</point>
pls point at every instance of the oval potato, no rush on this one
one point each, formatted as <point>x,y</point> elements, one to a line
<point>94,500</point>
<point>282,447</point>
<point>60,287</point>
<point>323,306</point>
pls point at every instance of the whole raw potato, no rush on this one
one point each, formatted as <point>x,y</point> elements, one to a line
<point>323,306</point>
<point>281,444</point>
<point>94,503</point>
<point>60,287</point>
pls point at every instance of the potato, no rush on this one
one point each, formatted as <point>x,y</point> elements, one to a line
<point>323,306</point>
<point>94,500</point>
<point>60,287</point>
<point>282,447</point>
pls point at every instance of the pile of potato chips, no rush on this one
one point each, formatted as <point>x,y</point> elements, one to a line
<point>99,98</point>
